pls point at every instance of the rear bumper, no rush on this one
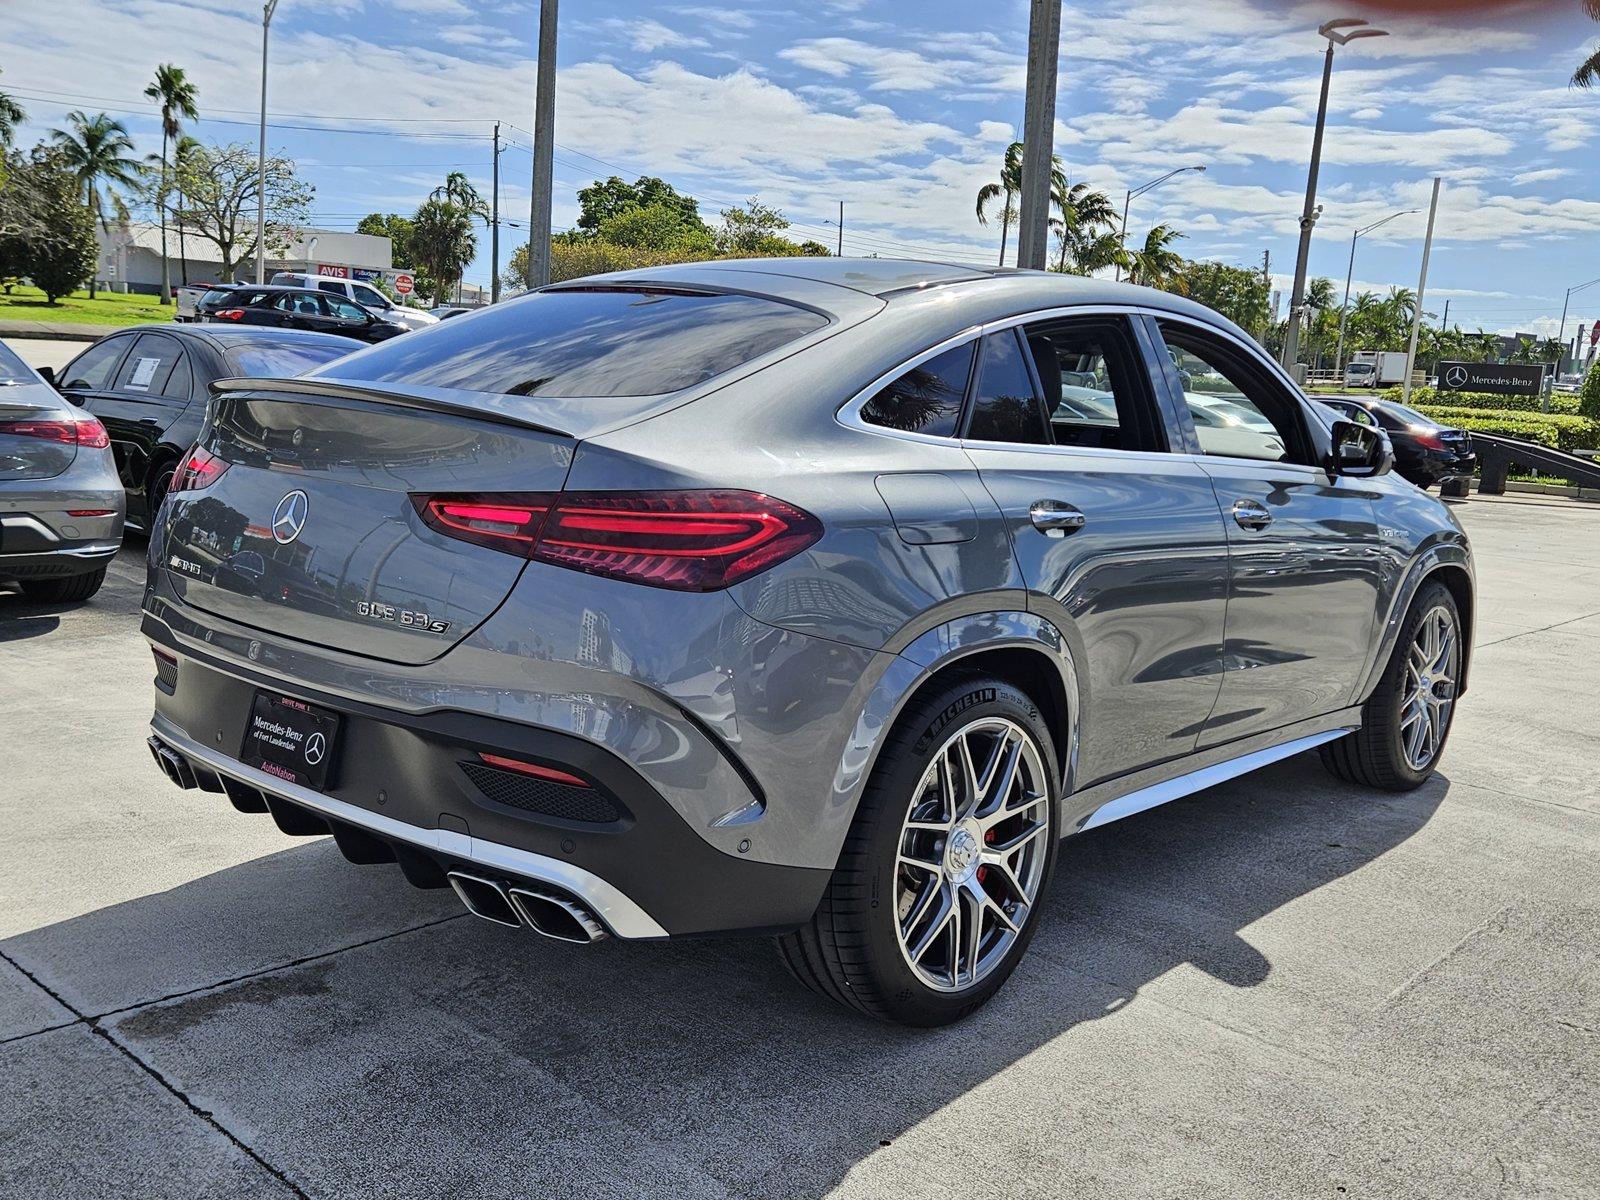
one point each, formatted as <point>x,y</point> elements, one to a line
<point>398,779</point>
<point>53,545</point>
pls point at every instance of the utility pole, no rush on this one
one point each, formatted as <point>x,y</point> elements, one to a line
<point>841,229</point>
<point>494,226</point>
<point>1039,118</point>
<point>1308,216</point>
<point>261,153</point>
<point>1422,291</point>
<point>1266,290</point>
<point>544,132</point>
<point>1445,323</point>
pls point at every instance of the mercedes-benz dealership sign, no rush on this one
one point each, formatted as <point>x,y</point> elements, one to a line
<point>1502,380</point>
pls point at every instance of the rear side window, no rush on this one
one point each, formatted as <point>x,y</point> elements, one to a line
<point>151,365</point>
<point>1005,407</point>
<point>587,342</point>
<point>13,369</point>
<point>927,398</point>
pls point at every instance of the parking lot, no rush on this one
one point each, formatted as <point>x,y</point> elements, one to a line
<point>1280,987</point>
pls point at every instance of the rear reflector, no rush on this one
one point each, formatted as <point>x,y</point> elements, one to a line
<point>90,512</point>
<point>80,431</point>
<point>696,541</point>
<point>199,469</point>
<point>534,769</point>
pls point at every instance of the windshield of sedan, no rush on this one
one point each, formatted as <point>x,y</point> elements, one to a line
<point>279,360</point>
<point>12,369</point>
<point>590,342</point>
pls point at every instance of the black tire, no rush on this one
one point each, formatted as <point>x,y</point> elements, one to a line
<point>70,590</point>
<point>160,485</point>
<point>850,949</point>
<point>1374,755</point>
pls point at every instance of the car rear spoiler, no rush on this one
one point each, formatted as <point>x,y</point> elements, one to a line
<point>478,406</point>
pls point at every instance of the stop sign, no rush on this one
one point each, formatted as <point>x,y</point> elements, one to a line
<point>403,284</point>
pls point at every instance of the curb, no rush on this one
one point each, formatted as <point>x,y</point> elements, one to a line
<point>64,333</point>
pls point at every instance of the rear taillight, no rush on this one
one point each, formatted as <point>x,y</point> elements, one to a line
<point>228,314</point>
<point>1427,439</point>
<point>694,541</point>
<point>80,431</point>
<point>199,469</point>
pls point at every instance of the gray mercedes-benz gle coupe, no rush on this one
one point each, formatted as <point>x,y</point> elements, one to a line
<point>811,597</point>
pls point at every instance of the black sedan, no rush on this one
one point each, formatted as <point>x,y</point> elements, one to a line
<point>1425,452</point>
<point>149,385</point>
<point>298,308</point>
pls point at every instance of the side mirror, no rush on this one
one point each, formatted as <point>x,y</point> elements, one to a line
<point>48,374</point>
<point>1360,451</point>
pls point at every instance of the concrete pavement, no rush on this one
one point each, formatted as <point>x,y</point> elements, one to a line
<point>1281,987</point>
<point>45,352</point>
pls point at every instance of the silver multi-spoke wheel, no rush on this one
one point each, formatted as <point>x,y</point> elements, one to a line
<point>972,854</point>
<point>1429,694</point>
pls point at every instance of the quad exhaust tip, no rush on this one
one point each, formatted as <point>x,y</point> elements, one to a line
<point>548,914</point>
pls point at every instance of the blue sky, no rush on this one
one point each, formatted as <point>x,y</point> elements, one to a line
<point>901,109</point>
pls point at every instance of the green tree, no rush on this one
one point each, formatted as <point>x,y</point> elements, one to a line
<point>603,200</point>
<point>172,90</point>
<point>219,189</point>
<point>656,227</point>
<point>46,231</point>
<point>1083,227</point>
<point>1589,397</point>
<point>1588,72</point>
<point>443,241</point>
<point>1009,186</point>
<point>457,189</point>
<point>99,152</point>
<point>752,230</point>
<point>12,114</point>
<point>1155,264</point>
<point>1237,293</point>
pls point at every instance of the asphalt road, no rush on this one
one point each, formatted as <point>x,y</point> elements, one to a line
<point>1283,987</point>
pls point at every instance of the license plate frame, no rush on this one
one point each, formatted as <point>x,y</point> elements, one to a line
<point>291,739</point>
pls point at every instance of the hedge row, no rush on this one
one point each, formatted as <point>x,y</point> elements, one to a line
<point>1560,403</point>
<point>1548,429</point>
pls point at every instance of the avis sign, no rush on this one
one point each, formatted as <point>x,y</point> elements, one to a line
<point>1495,378</point>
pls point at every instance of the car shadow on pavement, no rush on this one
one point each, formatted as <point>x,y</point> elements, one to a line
<point>442,1054</point>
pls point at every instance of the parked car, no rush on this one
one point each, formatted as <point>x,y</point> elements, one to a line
<point>445,311</point>
<point>1361,375</point>
<point>1425,452</point>
<point>60,499</point>
<point>148,386</point>
<point>362,293</point>
<point>1570,384</point>
<point>190,297</point>
<point>786,597</point>
<point>302,308</point>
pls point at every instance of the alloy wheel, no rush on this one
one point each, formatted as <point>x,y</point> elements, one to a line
<point>971,854</point>
<point>1429,695</point>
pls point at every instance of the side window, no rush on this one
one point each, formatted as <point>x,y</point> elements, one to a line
<point>331,285</point>
<point>149,366</point>
<point>927,398</point>
<point>1239,409</point>
<point>180,384</point>
<point>344,309</point>
<point>91,370</point>
<point>1005,405</point>
<point>1095,387</point>
<point>370,298</point>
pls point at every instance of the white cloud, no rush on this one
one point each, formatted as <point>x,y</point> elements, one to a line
<point>1541,176</point>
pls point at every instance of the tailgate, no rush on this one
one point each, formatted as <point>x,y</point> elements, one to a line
<point>310,532</point>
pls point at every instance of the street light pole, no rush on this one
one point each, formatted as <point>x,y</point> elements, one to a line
<point>1567,303</point>
<point>1344,312</point>
<point>1331,30</point>
<point>494,224</point>
<point>1422,291</point>
<point>544,132</point>
<point>1127,200</point>
<point>261,153</point>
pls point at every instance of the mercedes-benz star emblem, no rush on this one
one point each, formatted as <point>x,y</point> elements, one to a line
<point>316,747</point>
<point>1455,377</point>
<point>289,518</point>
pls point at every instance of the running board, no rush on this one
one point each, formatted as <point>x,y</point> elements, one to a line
<point>1165,792</point>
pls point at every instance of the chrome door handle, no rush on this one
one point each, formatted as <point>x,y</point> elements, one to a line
<point>1056,518</point>
<point>1250,515</point>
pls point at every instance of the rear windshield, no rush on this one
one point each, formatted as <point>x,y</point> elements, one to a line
<point>586,342</point>
<point>277,360</point>
<point>12,368</point>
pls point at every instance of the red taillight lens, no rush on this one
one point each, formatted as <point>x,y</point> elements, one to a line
<point>533,769</point>
<point>505,521</point>
<point>199,469</point>
<point>229,314</point>
<point>81,431</point>
<point>695,541</point>
<point>1426,439</point>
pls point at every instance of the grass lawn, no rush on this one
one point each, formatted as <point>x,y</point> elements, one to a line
<point>28,304</point>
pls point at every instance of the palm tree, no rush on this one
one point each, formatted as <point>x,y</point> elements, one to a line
<point>176,95</point>
<point>1085,216</point>
<point>1010,185</point>
<point>442,242</point>
<point>1155,264</point>
<point>11,115</point>
<point>98,150</point>
<point>1588,72</point>
<point>181,152</point>
<point>457,189</point>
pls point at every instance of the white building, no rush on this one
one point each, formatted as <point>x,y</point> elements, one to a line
<point>130,257</point>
